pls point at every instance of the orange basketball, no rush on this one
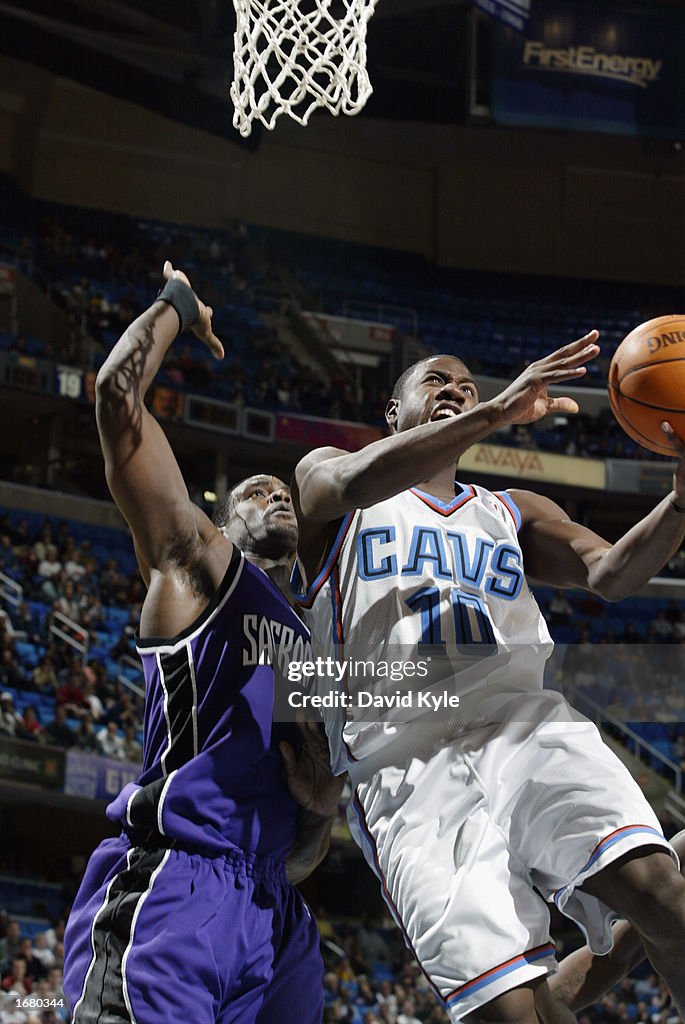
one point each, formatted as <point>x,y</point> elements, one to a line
<point>647,382</point>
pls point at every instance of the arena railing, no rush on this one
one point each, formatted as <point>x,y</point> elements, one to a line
<point>10,590</point>
<point>674,803</point>
<point>77,638</point>
<point>601,715</point>
<point>126,659</point>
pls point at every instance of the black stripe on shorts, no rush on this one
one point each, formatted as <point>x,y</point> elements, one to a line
<point>102,1001</point>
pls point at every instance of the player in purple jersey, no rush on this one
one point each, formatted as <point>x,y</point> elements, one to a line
<point>189,915</point>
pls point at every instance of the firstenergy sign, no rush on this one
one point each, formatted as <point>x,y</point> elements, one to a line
<point>586,60</point>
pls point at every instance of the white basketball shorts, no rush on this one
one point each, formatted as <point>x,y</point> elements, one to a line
<point>462,838</point>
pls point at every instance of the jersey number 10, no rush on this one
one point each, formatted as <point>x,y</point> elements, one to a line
<point>473,630</point>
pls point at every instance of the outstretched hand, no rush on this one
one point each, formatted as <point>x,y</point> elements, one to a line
<point>527,400</point>
<point>678,446</point>
<point>308,775</point>
<point>203,328</point>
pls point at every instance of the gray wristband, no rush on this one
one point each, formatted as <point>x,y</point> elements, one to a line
<point>183,300</point>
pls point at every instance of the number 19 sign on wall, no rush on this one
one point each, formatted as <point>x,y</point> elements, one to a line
<point>609,68</point>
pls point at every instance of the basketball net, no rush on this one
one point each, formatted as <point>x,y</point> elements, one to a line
<point>292,56</point>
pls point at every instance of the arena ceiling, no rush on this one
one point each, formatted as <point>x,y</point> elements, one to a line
<point>175,56</point>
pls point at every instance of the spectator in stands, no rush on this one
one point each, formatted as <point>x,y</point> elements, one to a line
<point>122,711</point>
<point>13,939</point>
<point>44,677</point>
<point>71,663</point>
<point>132,749</point>
<point>71,696</point>
<point>34,966</point>
<point>331,986</point>
<point>42,951</point>
<point>86,737</point>
<point>59,963</point>
<point>631,634</point>
<point>365,994</point>
<point>679,629</point>
<point>24,622</point>
<point>10,721</point>
<point>324,923</point>
<point>4,922</point>
<point>385,997</point>
<point>97,670</point>
<point>109,742</point>
<point>8,557</point>
<point>7,631</point>
<point>74,567</point>
<point>407,1015</point>
<point>678,749</point>
<point>16,980</point>
<point>55,934</point>
<point>93,701</point>
<point>67,602</point>
<point>55,973</point>
<point>92,613</point>
<point>44,541</point>
<point>125,645</point>
<point>49,569</point>
<point>662,627</point>
<point>11,673</point>
<point>371,943</point>
<point>113,584</point>
<point>58,731</point>
<point>560,610</point>
<point>30,728</point>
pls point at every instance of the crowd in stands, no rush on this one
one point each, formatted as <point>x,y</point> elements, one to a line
<point>629,665</point>
<point>50,691</point>
<point>31,969</point>
<point>372,979</point>
<point>103,269</point>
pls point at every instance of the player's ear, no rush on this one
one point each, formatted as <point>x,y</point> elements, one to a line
<point>391,411</point>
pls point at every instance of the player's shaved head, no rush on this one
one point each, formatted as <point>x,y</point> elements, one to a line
<point>257,516</point>
<point>405,377</point>
<point>427,384</point>
<point>224,510</point>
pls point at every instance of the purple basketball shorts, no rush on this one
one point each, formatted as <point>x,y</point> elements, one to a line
<point>160,935</point>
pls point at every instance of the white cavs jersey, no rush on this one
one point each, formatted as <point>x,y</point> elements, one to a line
<point>467,817</point>
<point>418,597</point>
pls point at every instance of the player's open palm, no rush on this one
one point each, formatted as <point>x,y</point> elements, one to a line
<point>527,399</point>
<point>203,328</point>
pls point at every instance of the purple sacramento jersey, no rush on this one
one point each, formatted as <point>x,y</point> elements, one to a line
<point>188,915</point>
<point>211,766</point>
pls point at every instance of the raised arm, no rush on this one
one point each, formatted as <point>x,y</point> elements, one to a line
<point>565,554</point>
<point>140,467</point>
<point>329,482</point>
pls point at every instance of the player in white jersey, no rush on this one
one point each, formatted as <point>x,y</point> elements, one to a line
<point>474,817</point>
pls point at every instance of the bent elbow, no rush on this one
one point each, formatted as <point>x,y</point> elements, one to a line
<point>611,589</point>
<point>105,385</point>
